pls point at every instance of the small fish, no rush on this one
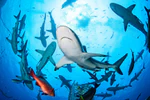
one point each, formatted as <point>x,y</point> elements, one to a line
<point>46,88</point>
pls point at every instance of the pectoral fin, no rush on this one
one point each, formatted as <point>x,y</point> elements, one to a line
<point>89,55</point>
<point>64,60</point>
<point>40,51</point>
<point>52,61</point>
<point>125,24</point>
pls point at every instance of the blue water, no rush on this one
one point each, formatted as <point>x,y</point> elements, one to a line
<point>97,27</point>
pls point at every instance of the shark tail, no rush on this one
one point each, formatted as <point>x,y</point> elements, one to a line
<point>118,63</point>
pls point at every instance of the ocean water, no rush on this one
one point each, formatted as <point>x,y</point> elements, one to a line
<point>98,27</point>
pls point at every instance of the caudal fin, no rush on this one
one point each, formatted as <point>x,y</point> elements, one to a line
<point>118,63</point>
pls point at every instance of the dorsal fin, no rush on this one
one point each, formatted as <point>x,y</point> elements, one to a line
<point>130,8</point>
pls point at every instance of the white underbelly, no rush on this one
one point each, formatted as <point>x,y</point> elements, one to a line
<point>69,47</point>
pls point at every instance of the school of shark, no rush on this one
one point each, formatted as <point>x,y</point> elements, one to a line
<point>75,55</point>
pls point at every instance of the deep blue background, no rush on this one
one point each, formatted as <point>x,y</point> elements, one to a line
<point>94,22</point>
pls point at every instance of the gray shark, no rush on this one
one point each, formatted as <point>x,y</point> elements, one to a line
<point>128,17</point>
<point>148,33</point>
<point>68,3</point>
<point>69,67</point>
<point>131,64</point>
<point>72,49</point>
<point>53,25</point>
<point>139,55</point>
<point>112,80</point>
<point>65,82</point>
<point>24,55</point>
<point>13,40</point>
<point>22,23</point>
<point>116,88</point>
<point>42,34</point>
<point>25,77</point>
<point>46,55</point>
<point>136,76</point>
<point>104,95</point>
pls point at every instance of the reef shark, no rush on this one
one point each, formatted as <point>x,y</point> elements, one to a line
<point>13,40</point>
<point>136,76</point>
<point>128,17</point>
<point>53,25</point>
<point>104,95</point>
<point>148,33</point>
<point>70,45</point>
<point>42,34</point>
<point>65,82</point>
<point>25,77</point>
<point>69,67</point>
<point>68,3</point>
<point>116,88</point>
<point>139,55</point>
<point>46,55</point>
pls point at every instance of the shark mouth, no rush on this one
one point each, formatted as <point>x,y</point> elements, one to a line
<point>65,38</point>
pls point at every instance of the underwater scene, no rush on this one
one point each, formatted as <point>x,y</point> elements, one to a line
<point>74,50</point>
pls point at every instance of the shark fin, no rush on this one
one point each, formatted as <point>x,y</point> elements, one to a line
<point>117,85</point>
<point>16,81</point>
<point>46,37</point>
<point>52,61</point>
<point>125,24</point>
<point>89,55</point>
<point>8,40</point>
<point>64,60</point>
<point>62,84</point>
<point>130,8</point>
<point>38,38</point>
<point>84,48</point>
<point>118,63</point>
<point>40,51</point>
<point>18,16</point>
<point>114,92</point>
<point>69,81</point>
<point>49,30</point>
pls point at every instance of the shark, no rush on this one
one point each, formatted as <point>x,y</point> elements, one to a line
<point>148,33</point>
<point>112,80</point>
<point>22,23</point>
<point>13,40</point>
<point>136,76</point>
<point>69,67</point>
<point>139,55</point>
<point>104,78</point>
<point>65,82</point>
<point>131,64</point>
<point>46,55</point>
<point>67,3</point>
<point>42,37</point>
<point>24,55</point>
<point>116,88</point>
<point>25,77</point>
<point>128,16</point>
<point>104,95</point>
<point>71,47</point>
<point>53,25</point>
